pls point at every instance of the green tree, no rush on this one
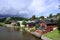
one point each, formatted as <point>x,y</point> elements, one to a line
<point>8,20</point>
<point>50,16</point>
<point>37,26</point>
<point>33,17</point>
<point>17,24</point>
<point>41,17</point>
<point>58,24</point>
<point>58,14</point>
<point>23,23</point>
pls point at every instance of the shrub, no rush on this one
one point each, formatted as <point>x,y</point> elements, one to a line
<point>32,29</point>
<point>23,23</point>
<point>58,24</point>
<point>14,24</point>
<point>1,24</point>
<point>8,20</point>
<point>17,24</point>
<point>37,26</point>
<point>23,28</point>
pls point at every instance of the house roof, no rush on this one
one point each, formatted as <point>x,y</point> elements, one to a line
<point>50,21</point>
<point>31,24</point>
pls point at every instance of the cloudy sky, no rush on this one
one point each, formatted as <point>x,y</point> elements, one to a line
<point>31,7</point>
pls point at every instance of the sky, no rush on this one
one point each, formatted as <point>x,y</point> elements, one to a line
<point>31,7</point>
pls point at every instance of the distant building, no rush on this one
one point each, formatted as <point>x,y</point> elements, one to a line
<point>30,24</point>
<point>21,23</point>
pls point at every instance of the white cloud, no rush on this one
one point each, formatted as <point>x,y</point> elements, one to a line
<point>41,5</point>
<point>36,7</point>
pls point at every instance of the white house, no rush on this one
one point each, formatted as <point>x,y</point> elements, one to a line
<point>21,23</point>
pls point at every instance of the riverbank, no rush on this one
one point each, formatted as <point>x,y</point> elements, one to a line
<point>2,24</point>
<point>54,35</point>
<point>33,33</point>
<point>38,35</point>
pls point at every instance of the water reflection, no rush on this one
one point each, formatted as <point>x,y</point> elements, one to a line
<point>12,34</point>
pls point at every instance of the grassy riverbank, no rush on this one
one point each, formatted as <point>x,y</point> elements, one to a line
<point>1,24</point>
<point>54,35</point>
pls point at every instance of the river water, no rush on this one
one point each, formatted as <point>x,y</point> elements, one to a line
<point>11,34</point>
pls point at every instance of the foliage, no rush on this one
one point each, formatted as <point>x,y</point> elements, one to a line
<point>23,23</point>
<point>41,17</point>
<point>23,28</point>
<point>58,24</point>
<point>8,20</point>
<point>2,19</point>
<point>2,24</point>
<point>17,24</point>
<point>32,29</point>
<point>50,16</point>
<point>37,26</point>
<point>14,24</point>
<point>33,17</point>
<point>58,14</point>
<point>18,18</point>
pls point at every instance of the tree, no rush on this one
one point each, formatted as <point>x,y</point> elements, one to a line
<point>58,24</point>
<point>41,17</point>
<point>23,23</point>
<point>58,14</point>
<point>50,16</point>
<point>8,20</point>
<point>37,26</point>
<point>17,24</point>
<point>33,17</point>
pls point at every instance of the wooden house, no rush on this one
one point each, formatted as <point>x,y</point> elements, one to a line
<point>46,26</point>
<point>32,23</point>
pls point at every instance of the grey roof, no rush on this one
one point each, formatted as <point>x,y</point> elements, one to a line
<point>50,21</point>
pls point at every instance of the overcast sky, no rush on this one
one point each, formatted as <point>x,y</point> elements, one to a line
<point>32,7</point>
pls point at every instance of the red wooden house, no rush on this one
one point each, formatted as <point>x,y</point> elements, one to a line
<point>48,26</point>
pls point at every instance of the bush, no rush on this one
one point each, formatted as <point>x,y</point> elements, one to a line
<point>58,24</point>
<point>37,26</point>
<point>8,20</point>
<point>1,24</point>
<point>23,28</point>
<point>23,23</point>
<point>16,24</point>
<point>32,29</point>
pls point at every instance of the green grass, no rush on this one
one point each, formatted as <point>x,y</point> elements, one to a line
<point>53,35</point>
<point>1,24</point>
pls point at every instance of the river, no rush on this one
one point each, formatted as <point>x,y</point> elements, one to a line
<point>11,34</point>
